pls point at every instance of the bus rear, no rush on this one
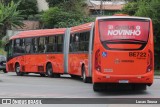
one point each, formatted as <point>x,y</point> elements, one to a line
<point>123,51</point>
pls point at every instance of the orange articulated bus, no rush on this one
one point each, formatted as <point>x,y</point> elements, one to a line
<point>36,51</point>
<point>79,57</point>
<point>111,50</point>
<point>123,52</point>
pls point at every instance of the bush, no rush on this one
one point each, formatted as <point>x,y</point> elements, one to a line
<point>57,18</point>
<point>148,8</point>
<point>2,44</point>
<point>27,7</point>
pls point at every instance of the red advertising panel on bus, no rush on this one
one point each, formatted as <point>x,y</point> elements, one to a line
<point>115,30</point>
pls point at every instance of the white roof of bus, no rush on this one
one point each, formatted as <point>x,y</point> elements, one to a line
<point>125,17</point>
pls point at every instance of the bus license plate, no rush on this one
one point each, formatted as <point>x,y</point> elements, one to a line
<point>123,81</point>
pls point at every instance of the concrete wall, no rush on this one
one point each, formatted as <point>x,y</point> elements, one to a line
<point>42,5</point>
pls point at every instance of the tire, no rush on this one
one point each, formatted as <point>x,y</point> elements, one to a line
<point>84,77</point>
<point>49,70</point>
<point>97,87</point>
<point>56,76</point>
<point>17,70</point>
<point>42,75</point>
<point>140,87</point>
<point>4,71</point>
<point>74,76</point>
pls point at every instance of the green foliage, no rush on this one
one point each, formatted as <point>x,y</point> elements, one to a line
<point>151,9</point>
<point>49,18</point>
<point>76,6</point>
<point>2,43</point>
<point>130,8</point>
<point>56,17</point>
<point>148,8</point>
<point>65,13</point>
<point>69,5</point>
<point>27,7</point>
<point>54,2</point>
<point>9,16</point>
<point>2,52</point>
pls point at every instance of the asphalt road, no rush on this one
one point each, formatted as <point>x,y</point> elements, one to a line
<point>34,86</point>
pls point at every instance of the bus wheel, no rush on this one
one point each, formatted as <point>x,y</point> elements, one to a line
<point>49,70</point>
<point>140,87</point>
<point>74,76</point>
<point>17,70</point>
<point>4,71</point>
<point>56,76</point>
<point>97,87</point>
<point>84,77</point>
<point>42,75</point>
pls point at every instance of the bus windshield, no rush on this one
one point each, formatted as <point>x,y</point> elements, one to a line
<point>128,30</point>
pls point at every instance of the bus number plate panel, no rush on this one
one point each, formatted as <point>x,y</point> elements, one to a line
<point>123,81</point>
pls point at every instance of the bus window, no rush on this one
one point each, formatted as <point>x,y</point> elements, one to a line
<point>59,43</point>
<point>51,44</point>
<point>23,45</point>
<point>18,46</point>
<point>87,36</point>
<point>74,42</point>
<point>71,46</point>
<point>28,45</point>
<point>124,32</point>
<point>41,45</point>
<point>84,41</point>
<point>10,49</point>
<point>35,45</point>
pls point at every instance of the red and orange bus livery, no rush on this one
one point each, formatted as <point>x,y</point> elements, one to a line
<point>123,51</point>
<point>36,51</point>
<point>113,50</point>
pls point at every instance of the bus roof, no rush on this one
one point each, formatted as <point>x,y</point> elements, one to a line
<point>40,32</point>
<point>82,27</point>
<point>125,17</point>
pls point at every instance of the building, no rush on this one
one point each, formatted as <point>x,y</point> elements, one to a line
<point>105,7</point>
<point>95,7</point>
<point>42,5</point>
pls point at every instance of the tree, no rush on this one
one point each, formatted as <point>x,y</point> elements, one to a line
<point>148,8</point>
<point>151,9</point>
<point>68,5</point>
<point>65,13</point>
<point>53,3</point>
<point>27,7</point>
<point>9,17</point>
<point>57,18</point>
<point>130,8</point>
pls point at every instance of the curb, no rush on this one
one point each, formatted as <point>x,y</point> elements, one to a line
<point>156,77</point>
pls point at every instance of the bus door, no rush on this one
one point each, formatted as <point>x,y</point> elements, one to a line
<point>30,64</point>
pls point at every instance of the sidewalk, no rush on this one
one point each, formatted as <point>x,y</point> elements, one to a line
<point>157,77</point>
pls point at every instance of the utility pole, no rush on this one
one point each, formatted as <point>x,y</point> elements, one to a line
<point>101,7</point>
